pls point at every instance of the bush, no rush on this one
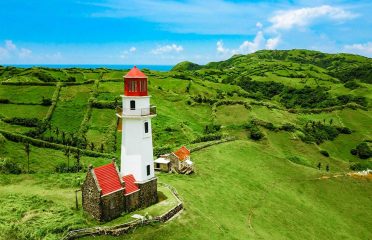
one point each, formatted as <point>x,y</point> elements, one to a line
<point>212,128</point>
<point>344,130</point>
<point>351,85</point>
<point>354,151</point>
<point>9,167</point>
<point>27,122</point>
<point>208,137</point>
<point>5,101</point>
<point>162,150</point>
<point>324,153</point>
<point>46,101</point>
<point>360,166</point>
<point>256,134</point>
<point>363,150</point>
<point>288,127</point>
<point>62,168</point>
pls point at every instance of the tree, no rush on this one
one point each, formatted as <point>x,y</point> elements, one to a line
<point>77,157</point>
<point>363,150</point>
<point>56,131</point>
<point>330,121</point>
<point>67,153</point>
<point>63,137</point>
<point>92,146</point>
<point>27,151</point>
<point>319,165</point>
<point>102,148</point>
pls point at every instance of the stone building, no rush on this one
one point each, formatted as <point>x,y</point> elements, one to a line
<point>106,191</point>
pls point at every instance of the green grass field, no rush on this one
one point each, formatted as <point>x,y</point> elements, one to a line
<point>71,107</point>
<point>26,94</point>
<point>243,189</point>
<point>23,111</point>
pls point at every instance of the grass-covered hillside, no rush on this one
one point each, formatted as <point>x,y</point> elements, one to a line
<point>290,113</point>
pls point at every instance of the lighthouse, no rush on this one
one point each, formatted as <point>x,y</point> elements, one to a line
<point>136,114</point>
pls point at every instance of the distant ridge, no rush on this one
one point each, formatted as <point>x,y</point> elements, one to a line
<point>343,66</point>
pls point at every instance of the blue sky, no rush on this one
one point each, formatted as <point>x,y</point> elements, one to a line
<point>167,32</point>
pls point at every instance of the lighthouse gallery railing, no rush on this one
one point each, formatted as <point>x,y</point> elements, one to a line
<point>137,111</point>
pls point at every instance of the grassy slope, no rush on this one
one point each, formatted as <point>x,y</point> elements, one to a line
<point>233,182</point>
<point>242,190</point>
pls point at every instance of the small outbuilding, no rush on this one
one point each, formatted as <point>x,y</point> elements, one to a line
<point>162,164</point>
<point>179,161</point>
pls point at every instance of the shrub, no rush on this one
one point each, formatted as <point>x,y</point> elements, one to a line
<point>324,153</point>
<point>288,127</point>
<point>354,151</point>
<point>363,150</point>
<point>351,85</point>
<point>208,137</point>
<point>62,168</point>
<point>344,130</point>
<point>162,150</point>
<point>256,134</point>
<point>9,167</point>
<point>27,122</point>
<point>212,128</point>
<point>46,101</point>
<point>5,101</point>
<point>360,166</point>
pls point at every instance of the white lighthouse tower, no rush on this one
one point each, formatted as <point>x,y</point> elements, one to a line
<point>136,114</point>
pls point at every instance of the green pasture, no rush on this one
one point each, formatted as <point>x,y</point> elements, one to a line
<point>26,94</point>
<point>71,107</point>
<point>23,111</point>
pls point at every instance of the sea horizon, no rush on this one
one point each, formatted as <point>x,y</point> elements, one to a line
<point>88,66</point>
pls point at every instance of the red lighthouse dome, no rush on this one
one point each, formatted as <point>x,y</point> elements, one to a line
<point>135,83</point>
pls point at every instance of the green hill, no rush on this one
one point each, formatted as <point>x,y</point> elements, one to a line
<point>288,111</point>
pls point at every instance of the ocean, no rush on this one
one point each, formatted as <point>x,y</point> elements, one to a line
<point>162,68</point>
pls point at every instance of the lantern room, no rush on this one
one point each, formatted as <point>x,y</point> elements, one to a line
<point>135,83</point>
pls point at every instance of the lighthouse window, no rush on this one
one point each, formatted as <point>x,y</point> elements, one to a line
<point>133,86</point>
<point>146,127</point>
<point>132,105</point>
<point>148,170</point>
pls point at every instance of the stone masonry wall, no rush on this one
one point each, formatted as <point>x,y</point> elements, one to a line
<point>113,205</point>
<point>132,201</point>
<point>91,197</point>
<point>148,193</point>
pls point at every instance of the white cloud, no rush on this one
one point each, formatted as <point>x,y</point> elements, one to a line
<point>272,43</point>
<point>259,25</point>
<point>302,17</point>
<point>256,44</point>
<point>24,53</point>
<point>259,42</point>
<point>167,48</point>
<point>10,50</point>
<point>125,53</point>
<point>9,45</point>
<point>220,48</point>
<point>360,48</point>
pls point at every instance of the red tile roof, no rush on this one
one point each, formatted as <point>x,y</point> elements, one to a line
<point>130,185</point>
<point>135,73</point>
<point>108,178</point>
<point>182,153</point>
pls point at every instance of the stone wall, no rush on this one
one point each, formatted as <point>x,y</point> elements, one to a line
<point>148,193</point>
<point>91,197</point>
<point>132,201</point>
<point>127,227</point>
<point>113,205</point>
